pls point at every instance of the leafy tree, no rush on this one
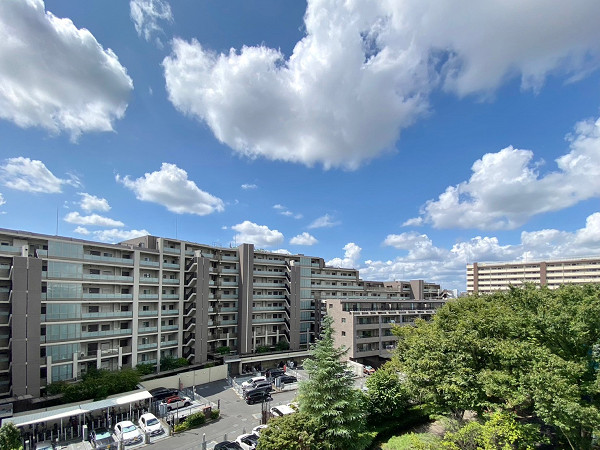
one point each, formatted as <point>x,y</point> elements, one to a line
<point>328,396</point>
<point>386,396</point>
<point>282,345</point>
<point>529,350</point>
<point>97,384</point>
<point>145,369</point>
<point>10,437</point>
<point>501,430</point>
<point>170,363</point>
<point>293,431</point>
<point>413,441</point>
<point>223,350</point>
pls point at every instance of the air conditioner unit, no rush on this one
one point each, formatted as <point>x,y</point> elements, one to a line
<point>82,355</point>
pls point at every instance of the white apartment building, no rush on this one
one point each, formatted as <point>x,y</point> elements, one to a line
<point>485,278</point>
<point>67,305</point>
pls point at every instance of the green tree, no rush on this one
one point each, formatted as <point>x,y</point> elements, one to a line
<point>145,369</point>
<point>10,437</point>
<point>293,432</point>
<point>386,396</point>
<point>413,441</point>
<point>530,350</point>
<point>328,396</point>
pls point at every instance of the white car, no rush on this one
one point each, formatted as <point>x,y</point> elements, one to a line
<point>282,410</point>
<point>252,380</point>
<point>127,432</point>
<point>257,430</point>
<point>247,441</point>
<point>150,424</point>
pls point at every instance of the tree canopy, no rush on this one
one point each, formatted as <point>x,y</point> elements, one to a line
<point>10,437</point>
<point>531,350</point>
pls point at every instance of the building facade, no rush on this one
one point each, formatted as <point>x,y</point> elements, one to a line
<point>68,305</point>
<point>485,278</point>
<point>364,324</point>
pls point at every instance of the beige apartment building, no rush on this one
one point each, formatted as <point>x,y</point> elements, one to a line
<point>485,278</point>
<point>67,305</point>
<point>364,324</point>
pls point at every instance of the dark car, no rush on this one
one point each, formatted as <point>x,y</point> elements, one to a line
<point>102,438</point>
<point>260,389</point>
<point>283,379</point>
<point>227,445</point>
<point>274,373</point>
<point>161,393</point>
<point>258,396</point>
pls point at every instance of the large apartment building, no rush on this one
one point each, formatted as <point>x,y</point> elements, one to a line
<point>67,305</point>
<point>485,278</point>
<point>363,324</point>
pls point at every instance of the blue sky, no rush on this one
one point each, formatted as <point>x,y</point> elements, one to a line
<point>404,139</point>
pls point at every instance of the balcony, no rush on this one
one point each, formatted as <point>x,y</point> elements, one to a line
<point>10,249</point>
<point>168,344</point>
<point>148,330</point>
<point>169,327</point>
<point>228,322</point>
<point>110,259</point>
<point>153,312</point>
<point>90,296</point>
<point>93,276</point>
<point>149,263</point>
<point>170,280</point>
<point>173,251</point>
<point>268,308</point>
<point>148,296</point>
<point>95,334</point>
<point>170,312</point>
<point>271,320</point>
<point>170,266</point>
<point>229,258</point>
<point>147,346</point>
<point>106,315</point>
<point>148,280</point>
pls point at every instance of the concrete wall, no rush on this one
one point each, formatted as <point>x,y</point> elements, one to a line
<point>188,379</point>
<point>245,297</point>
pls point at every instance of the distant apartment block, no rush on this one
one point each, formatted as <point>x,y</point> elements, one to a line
<point>485,278</point>
<point>68,305</point>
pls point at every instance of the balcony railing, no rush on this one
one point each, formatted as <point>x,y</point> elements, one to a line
<point>170,312</point>
<point>92,334</point>
<point>112,259</point>
<point>143,262</point>
<point>153,312</point>
<point>148,330</point>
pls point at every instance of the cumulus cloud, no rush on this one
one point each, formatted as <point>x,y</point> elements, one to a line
<point>93,220</point>
<point>92,203</point>
<point>350,259</point>
<point>303,239</point>
<point>55,75</point>
<point>115,235</point>
<point>82,230</point>
<point>282,251</point>
<point>247,187</point>
<point>506,188</point>
<point>325,221</point>
<point>24,174</point>
<point>146,16</point>
<point>171,188</point>
<point>448,266</point>
<point>365,70</point>
<point>259,235</point>
<point>2,201</point>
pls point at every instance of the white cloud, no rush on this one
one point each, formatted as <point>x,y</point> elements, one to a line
<point>249,186</point>
<point>2,201</point>
<point>286,212</point>
<point>116,235</point>
<point>448,266</point>
<point>82,230</point>
<point>282,251</point>
<point>93,220</point>
<point>365,70</point>
<point>350,259</point>
<point>24,174</point>
<point>92,203</point>
<point>506,189</point>
<point>146,15</point>
<point>171,188</point>
<point>56,76</point>
<point>259,235</point>
<point>303,239</point>
<point>325,221</point>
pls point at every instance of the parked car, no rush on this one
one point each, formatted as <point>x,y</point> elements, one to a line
<point>127,432</point>
<point>247,441</point>
<point>258,396</point>
<point>150,424</point>
<point>286,379</point>
<point>161,393</point>
<point>227,445</point>
<point>257,429</point>
<point>368,370</point>
<point>258,385</point>
<point>102,438</point>
<point>177,402</point>
<point>252,381</point>
<point>46,445</point>
<point>282,410</point>
<point>274,373</point>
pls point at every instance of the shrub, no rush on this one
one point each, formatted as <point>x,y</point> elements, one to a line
<point>195,420</point>
<point>214,414</point>
<point>145,369</point>
<point>223,350</point>
<point>262,349</point>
